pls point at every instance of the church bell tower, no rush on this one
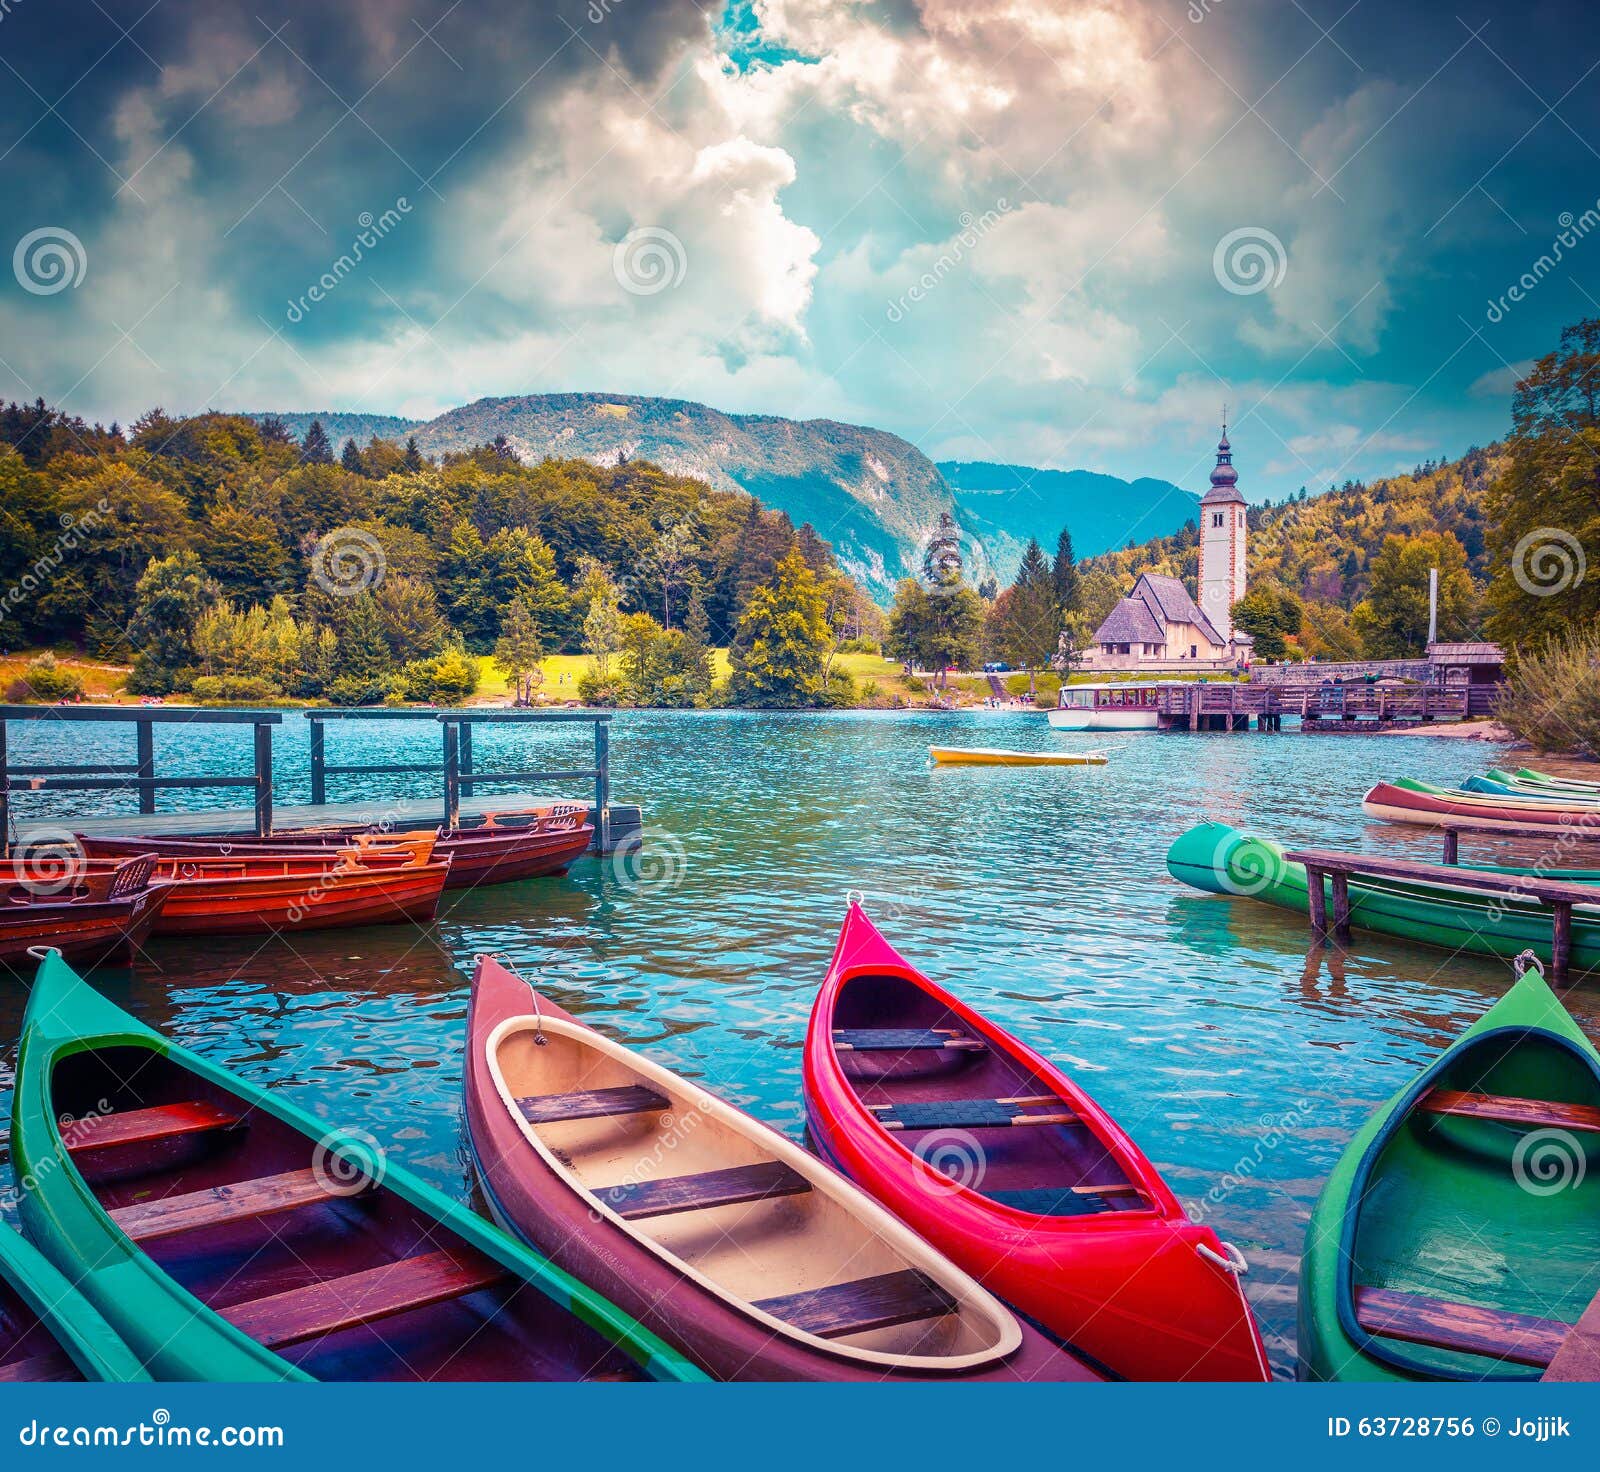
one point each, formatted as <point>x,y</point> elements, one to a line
<point>1222,539</point>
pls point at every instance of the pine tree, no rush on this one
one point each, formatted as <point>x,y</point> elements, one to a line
<point>351,458</point>
<point>697,644</point>
<point>1024,626</point>
<point>941,559</point>
<point>316,450</point>
<point>363,651</point>
<point>413,460</point>
<point>1064,575</point>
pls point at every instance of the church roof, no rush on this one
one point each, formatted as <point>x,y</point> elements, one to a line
<point>1142,617</point>
<point>1224,479</point>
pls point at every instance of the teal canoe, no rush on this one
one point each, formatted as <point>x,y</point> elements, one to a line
<point>1223,860</point>
<point>226,1235</point>
<point>48,1330</point>
<point>1458,1237</point>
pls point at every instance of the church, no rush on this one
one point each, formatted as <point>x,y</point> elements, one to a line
<point>1158,626</point>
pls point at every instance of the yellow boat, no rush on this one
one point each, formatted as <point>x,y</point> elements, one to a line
<point>988,756</point>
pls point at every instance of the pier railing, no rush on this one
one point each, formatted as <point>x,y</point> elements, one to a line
<point>138,776</point>
<point>460,776</point>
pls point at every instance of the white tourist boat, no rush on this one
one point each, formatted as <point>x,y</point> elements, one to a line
<point>1110,707</point>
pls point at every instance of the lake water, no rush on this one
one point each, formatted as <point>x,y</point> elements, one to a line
<point>1238,1059</point>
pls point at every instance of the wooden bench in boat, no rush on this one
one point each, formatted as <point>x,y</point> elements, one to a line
<point>282,1319</point>
<point>1534,1113</point>
<point>149,1221</point>
<point>636,1200</point>
<point>902,1040</point>
<point>146,1126</point>
<point>1578,1359</point>
<point>1068,1200</point>
<point>1521,1339</point>
<point>592,1104</point>
<point>1559,896</point>
<point>52,1364</point>
<point>969,1114</point>
<point>868,1303</point>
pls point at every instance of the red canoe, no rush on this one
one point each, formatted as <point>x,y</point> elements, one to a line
<point>522,845</point>
<point>1010,1168</point>
<point>89,910</point>
<point>1506,814</point>
<point>725,1237</point>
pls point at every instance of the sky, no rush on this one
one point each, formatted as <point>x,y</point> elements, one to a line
<point>1040,232</point>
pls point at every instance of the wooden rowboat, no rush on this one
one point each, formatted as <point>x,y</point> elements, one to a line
<point>48,1330</point>
<point>1458,1236</point>
<point>253,894</point>
<point>983,756</point>
<point>92,911</point>
<point>1009,1167</point>
<point>523,845</point>
<point>1223,860</point>
<point>723,1235</point>
<point>227,1235</point>
<point>1421,802</point>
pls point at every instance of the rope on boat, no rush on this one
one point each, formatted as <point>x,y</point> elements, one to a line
<point>1233,1263</point>
<point>855,897</point>
<point>1527,962</point>
<point>539,1039</point>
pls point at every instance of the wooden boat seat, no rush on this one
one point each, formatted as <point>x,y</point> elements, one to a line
<point>1521,1339</point>
<point>53,1364</point>
<point>969,1114</point>
<point>146,1126</point>
<point>1069,1200</point>
<point>868,1303</point>
<point>760,1182</point>
<point>300,1314</point>
<point>1535,1113</point>
<point>902,1039</point>
<point>592,1104</point>
<point>149,1221</point>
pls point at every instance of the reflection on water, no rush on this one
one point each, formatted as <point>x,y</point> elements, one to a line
<point>1233,1051</point>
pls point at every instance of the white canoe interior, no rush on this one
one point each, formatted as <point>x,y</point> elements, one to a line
<point>746,1213</point>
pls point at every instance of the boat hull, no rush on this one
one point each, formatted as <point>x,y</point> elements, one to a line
<point>1128,1287</point>
<point>1423,1203</point>
<point>266,1206</point>
<point>1437,807</point>
<point>1068,719</point>
<point>978,756</point>
<point>1222,860</point>
<point>532,1200</point>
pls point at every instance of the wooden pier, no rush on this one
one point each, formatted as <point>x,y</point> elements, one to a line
<point>614,824</point>
<point>1358,709</point>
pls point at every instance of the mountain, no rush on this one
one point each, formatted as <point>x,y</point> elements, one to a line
<point>1004,505</point>
<point>341,427</point>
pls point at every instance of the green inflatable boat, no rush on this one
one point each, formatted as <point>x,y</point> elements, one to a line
<point>1458,1236</point>
<point>1223,860</point>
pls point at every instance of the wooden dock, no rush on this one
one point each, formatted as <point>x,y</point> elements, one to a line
<point>1351,709</point>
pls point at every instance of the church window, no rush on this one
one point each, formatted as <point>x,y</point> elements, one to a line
<point>1216,518</point>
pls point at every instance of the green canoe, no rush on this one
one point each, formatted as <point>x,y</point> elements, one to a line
<point>227,1235</point>
<point>1532,781</point>
<point>1458,1237</point>
<point>1223,860</point>
<point>48,1330</point>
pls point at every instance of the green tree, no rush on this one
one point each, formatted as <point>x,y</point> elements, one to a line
<point>1023,627</point>
<point>316,450</point>
<point>469,592</point>
<point>408,610</point>
<point>778,657</point>
<point>1393,617</point>
<point>350,458</point>
<point>522,565</point>
<point>1271,616</point>
<point>245,554</point>
<point>518,651</point>
<point>602,623</point>
<point>413,459</point>
<point>172,595</point>
<point>364,660</point>
<point>1544,508</point>
<point>1064,576</point>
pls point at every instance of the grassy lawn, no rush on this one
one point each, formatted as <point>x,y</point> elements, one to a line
<point>101,681</point>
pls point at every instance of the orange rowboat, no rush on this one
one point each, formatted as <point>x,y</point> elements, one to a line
<point>250,894</point>
<point>91,910</point>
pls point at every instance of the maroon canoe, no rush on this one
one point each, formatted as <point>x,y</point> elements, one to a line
<point>728,1239</point>
<point>90,910</point>
<point>522,845</point>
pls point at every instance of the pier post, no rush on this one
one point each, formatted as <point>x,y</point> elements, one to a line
<point>1318,901</point>
<point>5,796</point>
<point>263,779</point>
<point>1560,942</point>
<point>452,775</point>
<point>319,764</point>
<point>602,787</point>
<point>1341,907</point>
<point>144,733</point>
<point>466,758</point>
<point>1452,846</point>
